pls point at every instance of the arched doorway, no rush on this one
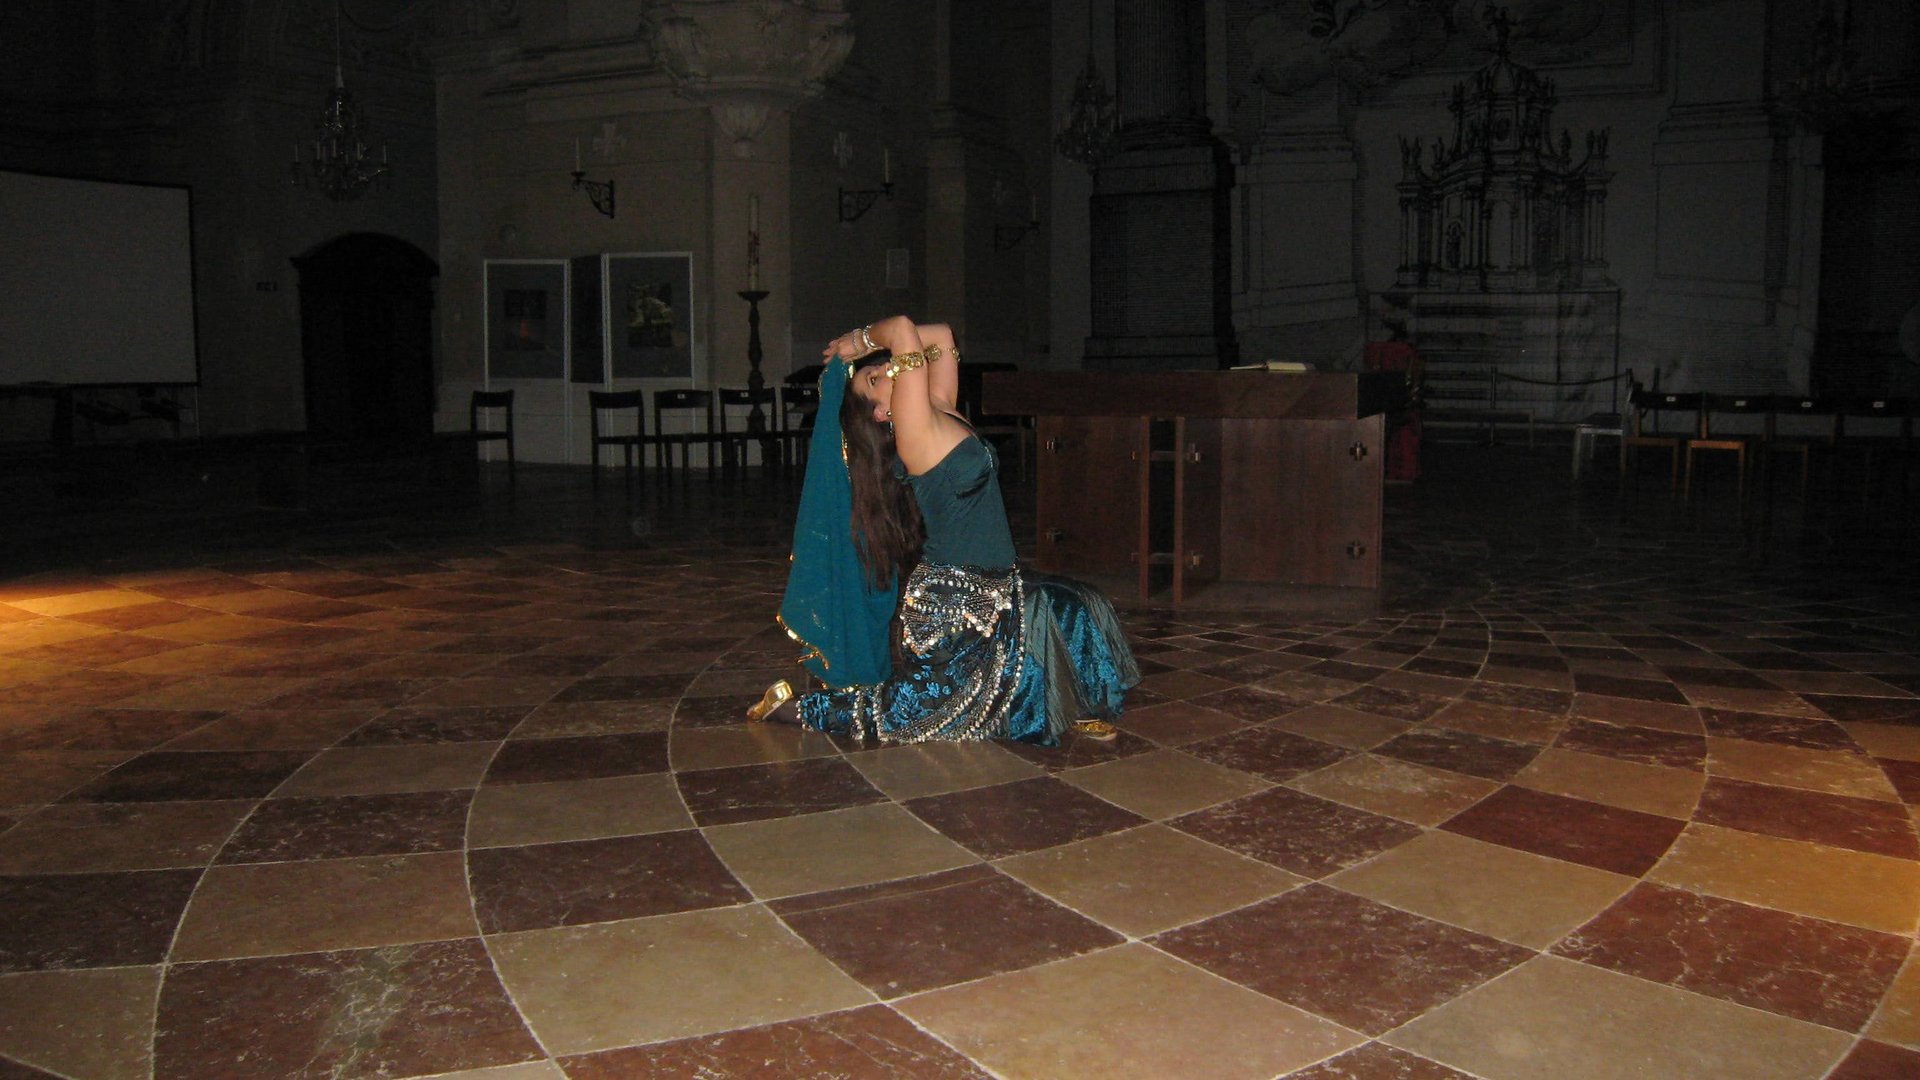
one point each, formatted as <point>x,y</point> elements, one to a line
<point>366,335</point>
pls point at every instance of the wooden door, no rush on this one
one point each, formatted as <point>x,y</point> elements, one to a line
<point>1306,502</point>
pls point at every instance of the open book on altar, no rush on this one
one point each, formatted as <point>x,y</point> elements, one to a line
<point>1294,366</point>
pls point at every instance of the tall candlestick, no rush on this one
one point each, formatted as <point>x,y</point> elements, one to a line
<point>753,213</point>
<point>886,166</point>
<point>576,156</point>
<point>753,242</point>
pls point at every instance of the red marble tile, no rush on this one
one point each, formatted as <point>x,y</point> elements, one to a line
<point>1809,969</point>
<point>1248,704</point>
<point>1461,752</point>
<point>1905,776</point>
<point>52,921</point>
<point>1396,704</point>
<point>1878,710</point>
<point>872,1043</point>
<point>412,724</point>
<point>109,729</point>
<point>1872,1060</point>
<point>1525,661</point>
<point>1606,837</point>
<point>305,663</point>
<point>1297,832</point>
<point>100,650</point>
<point>1769,728</point>
<point>1453,669</point>
<point>1343,957</point>
<point>14,1070</point>
<point>578,757</point>
<point>587,881</point>
<point>625,688</point>
<point>303,637</point>
<point>1555,702</point>
<point>904,937</point>
<point>1647,746</point>
<point>779,789</point>
<point>324,693</point>
<point>1026,815</point>
<point>401,1010</point>
<point>1587,682</point>
<point>1345,672</point>
<point>314,610</point>
<point>1838,820</point>
<point>195,588</point>
<point>1270,752</point>
<point>172,775</point>
<point>282,830</point>
<point>139,616</point>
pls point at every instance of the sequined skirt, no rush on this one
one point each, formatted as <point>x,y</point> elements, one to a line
<point>989,654</point>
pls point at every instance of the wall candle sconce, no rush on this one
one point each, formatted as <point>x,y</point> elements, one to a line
<point>601,194</point>
<point>1008,237</point>
<point>855,202</point>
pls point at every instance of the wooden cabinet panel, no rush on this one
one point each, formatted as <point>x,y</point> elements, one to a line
<point>1305,508</point>
<point>1091,510</point>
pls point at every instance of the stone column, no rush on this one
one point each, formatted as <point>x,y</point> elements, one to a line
<point>1161,213</point>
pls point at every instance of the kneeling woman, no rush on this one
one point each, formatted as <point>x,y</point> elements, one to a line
<point>899,487</point>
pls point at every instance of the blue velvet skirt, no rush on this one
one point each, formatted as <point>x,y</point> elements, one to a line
<point>989,654</point>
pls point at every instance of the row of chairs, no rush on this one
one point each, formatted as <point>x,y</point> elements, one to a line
<point>1756,428</point>
<point>718,419</point>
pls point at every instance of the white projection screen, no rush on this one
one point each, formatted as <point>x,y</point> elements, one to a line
<point>96,282</point>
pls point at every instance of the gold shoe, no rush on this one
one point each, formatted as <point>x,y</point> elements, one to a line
<point>777,695</point>
<point>1097,730</point>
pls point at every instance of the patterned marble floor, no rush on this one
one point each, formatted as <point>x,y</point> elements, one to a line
<point>414,784</point>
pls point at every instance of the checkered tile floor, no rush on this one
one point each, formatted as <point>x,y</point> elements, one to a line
<point>456,784</point>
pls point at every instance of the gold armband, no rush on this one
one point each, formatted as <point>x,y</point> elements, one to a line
<point>905,361</point>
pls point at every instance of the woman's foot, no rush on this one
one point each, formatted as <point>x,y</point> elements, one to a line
<point>777,705</point>
<point>1097,730</point>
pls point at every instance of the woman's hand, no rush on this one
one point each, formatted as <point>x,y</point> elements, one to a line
<point>847,346</point>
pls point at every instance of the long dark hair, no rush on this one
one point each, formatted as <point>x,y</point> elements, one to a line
<point>887,530</point>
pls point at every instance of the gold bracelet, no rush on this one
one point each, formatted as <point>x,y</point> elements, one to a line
<point>868,341</point>
<point>904,362</point>
<point>934,353</point>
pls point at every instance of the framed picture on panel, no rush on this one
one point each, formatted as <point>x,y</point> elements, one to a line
<point>649,314</point>
<point>526,333</point>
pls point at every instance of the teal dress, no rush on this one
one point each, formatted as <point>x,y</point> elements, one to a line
<point>986,650</point>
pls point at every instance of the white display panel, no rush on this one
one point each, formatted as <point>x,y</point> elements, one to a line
<point>96,282</point>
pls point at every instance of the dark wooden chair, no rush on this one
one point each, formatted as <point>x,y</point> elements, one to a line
<point>799,403</point>
<point>733,408</point>
<point>696,408</point>
<point>1803,426</point>
<point>1659,421</point>
<point>604,408</point>
<point>1737,424</point>
<point>498,402</point>
<point>1877,429</point>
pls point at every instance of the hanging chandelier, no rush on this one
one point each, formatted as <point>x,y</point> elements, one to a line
<point>341,167</point>
<point>1092,133</point>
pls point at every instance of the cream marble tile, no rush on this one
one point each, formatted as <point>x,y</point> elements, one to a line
<point>1513,895</point>
<point>268,909</point>
<point>745,744</point>
<point>1653,789</point>
<point>1501,722</point>
<point>1745,699</point>
<point>842,848</point>
<point>1164,783</point>
<point>375,770</point>
<point>96,1024</point>
<point>586,988</point>
<point>1341,726</point>
<point>935,768</point>
<point>1554,1019</point>
<point>510,815</point>
<point>1125,1012</point>
<point>1836,772</point>
<point>1887,740</point>
<point>1875,891</point>
<point>77,603</point>
<point>1145,880</point>
<point>1898,1021</point>
<point>532,1070</point>
<point>1402,789</point>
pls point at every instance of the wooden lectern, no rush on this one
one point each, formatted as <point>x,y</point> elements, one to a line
<point>1205,476</point>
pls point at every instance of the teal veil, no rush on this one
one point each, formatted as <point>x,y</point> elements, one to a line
<point>830,607</point>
